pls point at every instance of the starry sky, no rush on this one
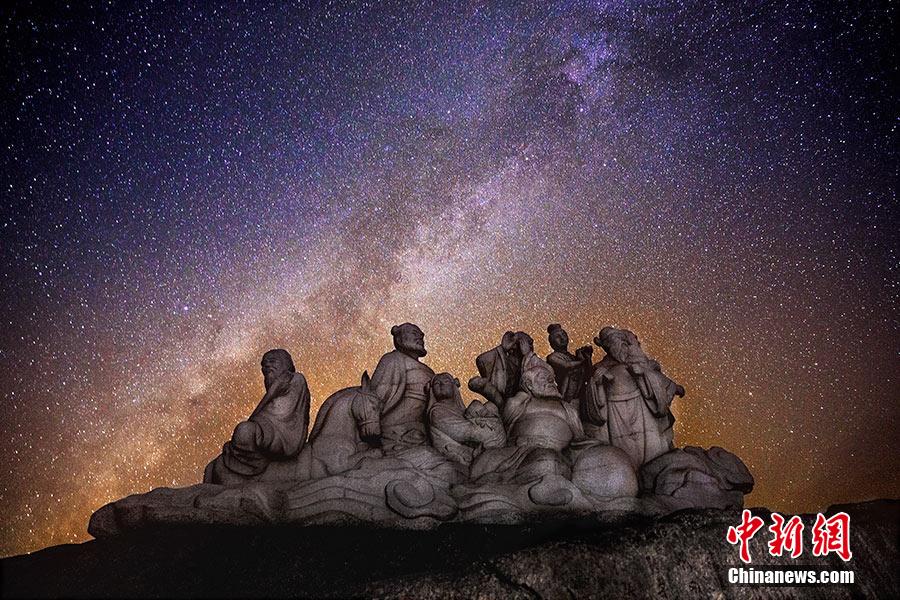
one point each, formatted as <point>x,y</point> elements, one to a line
<point>186,185</point>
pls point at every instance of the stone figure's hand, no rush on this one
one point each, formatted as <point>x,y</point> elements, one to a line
<point>279,387</point>
<point>478,384</point>
<point>370,432</point>
<point>524,346</point>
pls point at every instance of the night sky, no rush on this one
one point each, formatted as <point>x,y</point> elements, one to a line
<point>186,186</point>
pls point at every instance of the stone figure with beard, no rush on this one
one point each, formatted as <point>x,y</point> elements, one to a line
<point>628,399</point>
<point>275,431</point>
<point>399,382</point>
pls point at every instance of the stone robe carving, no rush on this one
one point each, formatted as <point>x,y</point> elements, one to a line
<point>571,371</point>
<point>457,432</point>
<point>629,398</point>
<point>274,432</point>
<point>399,382</point>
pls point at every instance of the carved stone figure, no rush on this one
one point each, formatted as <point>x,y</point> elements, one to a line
<point>570,370</point>
<point>502,366</point>
<point>275,431</point>
<point>399,381</point>
<point>548,462</point>
<point>535,418</point>
<point>628,399</point>
<point>457,432</point>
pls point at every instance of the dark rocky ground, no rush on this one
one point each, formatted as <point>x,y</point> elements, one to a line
<point>684,555</point>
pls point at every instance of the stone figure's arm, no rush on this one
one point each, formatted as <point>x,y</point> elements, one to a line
<point>641,381</point>
<point>561,361</point>
<point>278,388</point>
<point>303,402</point>
<point>595,400</point>
<point>481,385</point>
<point>482,365</point>
<point>457,427</point>
<point>387,380</point>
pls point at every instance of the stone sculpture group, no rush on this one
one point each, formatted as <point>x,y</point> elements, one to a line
<point>560,436</point>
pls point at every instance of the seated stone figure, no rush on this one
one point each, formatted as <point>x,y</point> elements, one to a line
<point>546,445</point>
<point>399,381</point>
<point>535,418</point>
<point>368,455</point>
<point>457,432</point>
<point>628,400</point>
<point>275,431</point>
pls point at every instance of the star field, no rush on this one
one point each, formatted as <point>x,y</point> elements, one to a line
<point>186,186</point>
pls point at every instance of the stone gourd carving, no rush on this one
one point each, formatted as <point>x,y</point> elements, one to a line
<point>402,449</point>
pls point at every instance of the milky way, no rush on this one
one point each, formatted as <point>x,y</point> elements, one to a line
<point>185,187</point>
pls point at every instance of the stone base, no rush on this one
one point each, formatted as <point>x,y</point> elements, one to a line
<point>420,493</point>
<point>683,555</point>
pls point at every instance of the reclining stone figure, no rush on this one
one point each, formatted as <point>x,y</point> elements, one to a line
<point>457,432</point>
<point>274,432</point>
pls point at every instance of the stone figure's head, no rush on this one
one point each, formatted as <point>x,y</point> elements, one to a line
<point>508,342</point>
<point>614,342</point>
<point>524,344</point>
<point>275,365</point>
<point>517,345</point>
<point>444,386</point>
<point>635,352</point>
<point>538,379</point>
<point>409,339</point>
<point>557,336</point>
<point>631,338</point>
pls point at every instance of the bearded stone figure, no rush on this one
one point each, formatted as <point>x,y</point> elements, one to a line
<point>628,399</point>
<point>399,382</point>
<point>535,418</point>
<point>274,432</point>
